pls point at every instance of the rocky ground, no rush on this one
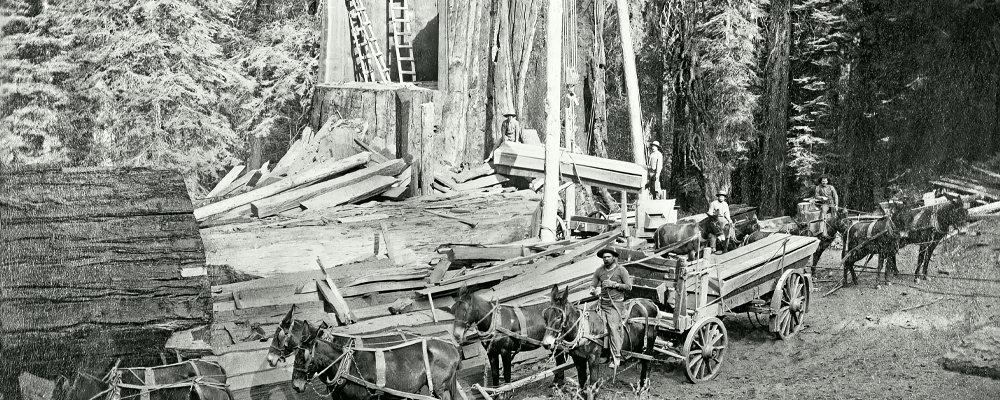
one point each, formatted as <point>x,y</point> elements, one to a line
<point>859,342</point>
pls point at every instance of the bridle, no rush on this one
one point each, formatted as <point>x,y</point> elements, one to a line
<point>564,329</point>
<point>312,356</point>
<point>282,345</point>
<point>461,322</point>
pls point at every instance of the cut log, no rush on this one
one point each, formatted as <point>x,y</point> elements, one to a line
<point>474,173</point>
<point>350,194</point>
<point>480,183</point>
<point>466,252</point>
<point>91,267</point>
<point>292,198</point>
<point>964,188</point>
<point>974,187</point>
<point>226,181</point>
<point>321,171</point>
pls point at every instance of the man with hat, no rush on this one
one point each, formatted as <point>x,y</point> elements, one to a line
<point>610,283</point>
<point>719,209</point>
<point>655,168</point>
<point>511,128</point>
<point>826,196</point>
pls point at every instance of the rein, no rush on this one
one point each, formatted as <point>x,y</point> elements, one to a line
<point>565,329</point>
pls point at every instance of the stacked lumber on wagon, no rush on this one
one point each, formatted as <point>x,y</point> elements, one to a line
<point>327,169</point>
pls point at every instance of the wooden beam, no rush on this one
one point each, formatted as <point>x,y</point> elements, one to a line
<point>439,271</point>
<point>316,174</point>
<point>376,156</point>
<point>350,194</point>
<point>553,69</point>
<point>460,252</point>
<point>334,298</point>
<point>962,188</point>
<point>292,198</point>
<point>992,207</point>
<point>480,183</point>
<point>226,181</point>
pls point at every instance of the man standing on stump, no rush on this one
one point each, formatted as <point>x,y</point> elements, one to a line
<point>610,283</point>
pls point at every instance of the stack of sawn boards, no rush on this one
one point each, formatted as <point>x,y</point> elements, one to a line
<point>521,280</point>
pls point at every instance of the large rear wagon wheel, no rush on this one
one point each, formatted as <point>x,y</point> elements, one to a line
<point>705,350</point>
<point>791,309</point>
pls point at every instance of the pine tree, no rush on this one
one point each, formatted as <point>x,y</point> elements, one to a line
<point>33,97</point>
<point>163,94</point>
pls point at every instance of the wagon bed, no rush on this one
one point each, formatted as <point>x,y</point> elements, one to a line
<point>769,277</point>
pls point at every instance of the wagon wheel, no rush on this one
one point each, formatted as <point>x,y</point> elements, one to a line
<point>704,350</point>
<point>792,309</point>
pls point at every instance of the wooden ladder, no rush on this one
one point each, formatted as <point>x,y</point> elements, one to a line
<point>402,40</point>
<point>366,47</point>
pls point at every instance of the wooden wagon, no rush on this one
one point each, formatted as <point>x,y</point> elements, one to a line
<point>769,277</point>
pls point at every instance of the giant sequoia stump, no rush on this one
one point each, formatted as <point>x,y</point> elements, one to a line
<point>95,265</point>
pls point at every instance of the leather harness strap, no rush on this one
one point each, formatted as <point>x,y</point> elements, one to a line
<point>380,368</point>
<point>522,322</point>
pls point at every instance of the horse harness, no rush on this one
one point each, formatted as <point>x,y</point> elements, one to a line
<point>346,360</point>
<point>114,380</point>
<point>583,328</point>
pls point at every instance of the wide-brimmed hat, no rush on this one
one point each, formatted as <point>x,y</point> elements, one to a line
<point>722,193</point>
<point>602,252</point>
<point>656,143</point>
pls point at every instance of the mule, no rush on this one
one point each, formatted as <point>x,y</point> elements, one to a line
<point>582,333</point>
<point>953,216</point>
<point>188,380</point>
<point>473,312</point>
<point>741,234</point>
<point>290,333</point>
<point>868,238</point>
<point>352,372</point>
<point>690,236</point>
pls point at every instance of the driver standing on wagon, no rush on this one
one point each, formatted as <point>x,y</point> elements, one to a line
<point>610,283</point>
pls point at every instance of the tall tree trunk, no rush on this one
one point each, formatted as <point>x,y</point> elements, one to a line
<point>256,152</point>
<point>774,136</point>
<point>599,108</point>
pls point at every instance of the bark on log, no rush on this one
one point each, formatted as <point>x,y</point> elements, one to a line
<point>93,267</point>
<point>774,140</point>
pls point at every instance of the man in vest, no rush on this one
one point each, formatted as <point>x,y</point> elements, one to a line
<point>610,282</point>
<point>826,197</point>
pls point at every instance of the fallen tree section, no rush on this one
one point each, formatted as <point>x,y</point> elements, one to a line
<point>107,264</point>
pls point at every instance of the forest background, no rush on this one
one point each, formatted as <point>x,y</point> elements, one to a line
<point>758,97</point>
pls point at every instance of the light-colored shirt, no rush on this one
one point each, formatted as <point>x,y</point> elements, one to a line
<point>719,208</point>
<point>829,192</point>
<point>655,163</point>
<point>616,274</point>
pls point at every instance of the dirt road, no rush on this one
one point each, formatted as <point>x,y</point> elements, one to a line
<point>858,342</point>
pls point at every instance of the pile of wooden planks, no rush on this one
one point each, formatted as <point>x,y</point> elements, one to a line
<point>382,300</point>
<point>529,161</point>
<point>469,179</point>
<point>327,169</point>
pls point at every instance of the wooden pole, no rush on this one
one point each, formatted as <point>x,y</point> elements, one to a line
<point>553,68</point>
<point>570,145</point>
<point>625,213</point>
<point>631,85</point>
